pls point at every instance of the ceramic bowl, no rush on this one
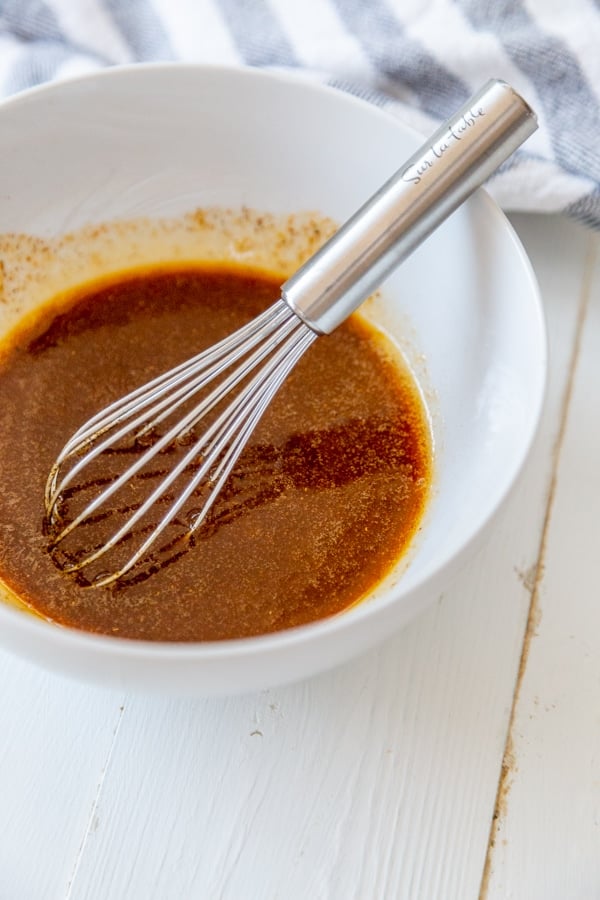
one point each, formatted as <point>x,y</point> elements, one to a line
<point>163,139</point>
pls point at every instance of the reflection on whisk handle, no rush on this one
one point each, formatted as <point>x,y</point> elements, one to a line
<point>455,161</point>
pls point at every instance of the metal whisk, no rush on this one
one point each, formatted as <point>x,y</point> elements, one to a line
<point>251,364</point>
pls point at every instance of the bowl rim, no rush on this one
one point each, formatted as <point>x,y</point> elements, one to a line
<point>35,626</point>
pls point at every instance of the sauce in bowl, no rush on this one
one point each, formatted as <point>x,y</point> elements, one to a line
<point>324,500</point>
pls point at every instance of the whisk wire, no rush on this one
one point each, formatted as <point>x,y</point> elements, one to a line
<point>182,426</point>
<point>246,336</point>
<point>254,409</point>
<point>278,316</point>
<point>221,444</point>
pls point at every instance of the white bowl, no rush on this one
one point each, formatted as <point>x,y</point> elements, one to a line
<point>162,139</point>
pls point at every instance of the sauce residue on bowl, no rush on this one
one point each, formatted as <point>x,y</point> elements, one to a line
<point>324,500</point>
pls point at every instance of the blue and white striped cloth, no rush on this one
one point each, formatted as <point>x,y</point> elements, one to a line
<point>419,58</point>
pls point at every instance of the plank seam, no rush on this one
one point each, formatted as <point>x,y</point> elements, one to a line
<point>534,612</point>
<point>90,823</point>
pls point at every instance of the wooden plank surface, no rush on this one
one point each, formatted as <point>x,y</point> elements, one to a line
<point>547,835</point>
<point>56,738</point>
<point>376,780</point>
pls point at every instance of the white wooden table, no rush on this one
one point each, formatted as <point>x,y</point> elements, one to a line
<point>459,760</point>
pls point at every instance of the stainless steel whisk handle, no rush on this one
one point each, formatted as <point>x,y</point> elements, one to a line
<point>455,161</point>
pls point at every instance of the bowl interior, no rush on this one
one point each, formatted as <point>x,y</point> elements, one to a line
<point>163,140</point>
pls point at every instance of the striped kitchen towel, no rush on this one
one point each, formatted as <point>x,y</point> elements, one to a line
<point>419,58</point>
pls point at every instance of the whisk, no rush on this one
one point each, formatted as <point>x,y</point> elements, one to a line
<point>250,365</point>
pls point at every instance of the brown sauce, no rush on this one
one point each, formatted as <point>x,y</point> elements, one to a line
<point>323,502</point>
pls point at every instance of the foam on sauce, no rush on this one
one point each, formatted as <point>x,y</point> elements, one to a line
<point>324,500</point>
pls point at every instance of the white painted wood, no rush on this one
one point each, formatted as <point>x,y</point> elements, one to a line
<point>548,841</point>
<point>377,780</point>
<point>55,740</point>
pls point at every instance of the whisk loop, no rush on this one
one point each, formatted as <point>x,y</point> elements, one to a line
<point>277,339</point>
<point>251,364</point>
